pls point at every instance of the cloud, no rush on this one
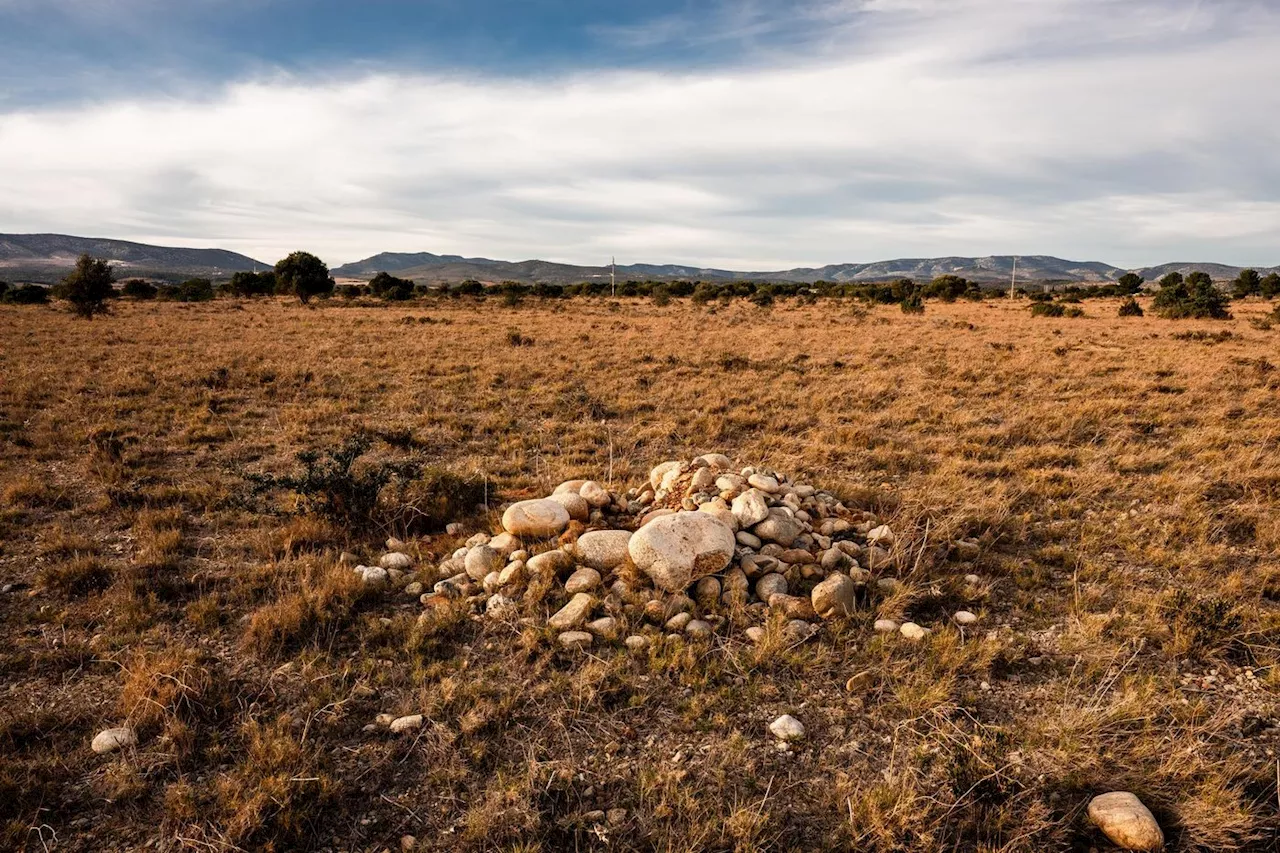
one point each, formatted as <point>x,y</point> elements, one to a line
<point>1129,132</point>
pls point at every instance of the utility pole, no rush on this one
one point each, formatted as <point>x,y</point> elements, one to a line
<point>613,277</point>
<point>1013,284</point>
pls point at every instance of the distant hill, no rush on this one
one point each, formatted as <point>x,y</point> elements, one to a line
<point>426,267</point>
<point>48,257</point>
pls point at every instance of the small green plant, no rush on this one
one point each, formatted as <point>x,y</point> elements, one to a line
<point>87,287</point>
<point>1130,308</point>
<point>912,303</point>
<point>361,495</point>
<point>1047,309</point>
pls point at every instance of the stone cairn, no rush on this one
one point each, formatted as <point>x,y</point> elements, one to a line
<point>703,548</point>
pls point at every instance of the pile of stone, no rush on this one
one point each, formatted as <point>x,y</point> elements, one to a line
<point>702,548</point>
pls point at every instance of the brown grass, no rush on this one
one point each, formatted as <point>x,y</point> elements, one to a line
<point>1122,477</point>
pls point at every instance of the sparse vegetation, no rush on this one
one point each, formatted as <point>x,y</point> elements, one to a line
<point>88,287</point>
<point>1114,482</point>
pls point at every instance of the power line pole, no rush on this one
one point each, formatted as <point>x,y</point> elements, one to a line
<point>1013,284</point>
<point>613,277</point>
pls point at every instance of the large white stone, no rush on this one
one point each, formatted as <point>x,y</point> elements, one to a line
<point>482,560</point>
<point>660,471</point>
<point>575,504</point>
<point>675,550</point>
<point>595,494</point>
<point>538,518</point>
<point>787,728</point>
<point>750,508</point>
<point>603,550</point>
<point>1126,821</point>
<point>112,739</point>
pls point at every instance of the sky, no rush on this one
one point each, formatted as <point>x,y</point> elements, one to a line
<point>737,134</point>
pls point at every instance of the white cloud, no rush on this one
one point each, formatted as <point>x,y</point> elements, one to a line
<point>1128,132</point>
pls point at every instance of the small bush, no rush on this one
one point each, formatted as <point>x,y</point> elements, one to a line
<point>912,303</point>
<point>88,287</point>
<point>1130,308</point>
<point>1047,309</point>
<point>360,496</point>
<point>136,288</point>
<point>195,290</point>
<point>515,339</point>
<point>1074,311</point>
<point>26,294</point>
<point>388,287</point>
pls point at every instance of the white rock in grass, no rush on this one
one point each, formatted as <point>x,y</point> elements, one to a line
<point>881,535</point>
<point>574,613</point>
<point>375,576</point>
<point>537,518</point>
<point>583,580</point>
<point>659,472</point>
<point>886,626</point>
<point>964,617</point>
<point>575,640</point>
<point>482,561</point>
<point>501,607</point>
<point>574,504</point>
<point>834,596</point>
<point>675,550</point>
<point>787,728</point>
<point>410,723</point>
<point>110,740</point>
<point>572,486</point>
<point>913,632</point>
<point>755,633</point>
<point>636,643</point>
<point>396,561</point>
<point>1124,819</point>
<point>718,461</point>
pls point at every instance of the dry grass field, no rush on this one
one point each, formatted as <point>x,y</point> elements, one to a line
<point>1122,476</point>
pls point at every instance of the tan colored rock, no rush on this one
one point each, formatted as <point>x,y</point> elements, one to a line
<point>582,580</point>
<point>574,613</point>
<point>1124,819</point>
<point>575,504</point>
<point>595,494</point>
<point>603,550</point>
<point>538,518</point>
<point>111,740</point>
<point>574,640</point>
<point>834,596</point>
<point>675,550</point>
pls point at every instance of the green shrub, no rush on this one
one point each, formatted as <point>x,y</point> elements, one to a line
<point>195,290</point>
<point>1047,309</point>
<point>26,294</point>
<point>363,496</point>
<point>1074,311</point>
<point>88,286</point>
<point>136,288</point>
<point>388,287</point>
<point>249,284</point>
<point>1130,308</point>
<point>303,275</point>
<point>1195,297</point>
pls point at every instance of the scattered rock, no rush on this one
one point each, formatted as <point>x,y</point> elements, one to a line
<point>964,618</point>
<point>595,495</point>
<point>912,631</point>
<point>698,628</point>
<point>575,639</point>
<point>881,535</point>
<point>481,561</point>
<point>886,626</point>
<point>1128,823</point>
<point>755,633</point>
<point>834,596</point>
<point>675,550</point>
<point>583,580</point>
<point>750,508</point>
<point>779,528</point>
<point>636,643</point>
<point>606,627</point>
<point>410,723</point>
<point>537,518</point>
<point>574,613</point>
<point>396,560</point>
<point>574,504</point>
<point>109,740</point>
<point>787,728</point>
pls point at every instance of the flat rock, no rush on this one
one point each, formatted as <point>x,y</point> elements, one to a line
<point>636,643</point>
<point>395,560</point>
<point>1124,819</point>
<point>886,626</point>
<point>109,740</point>
<point>406,724</point>
<point>603,550</point>
<point>675,550</point>
<point>536,518</point>
<point>764,483</point>
<point>583,580</point>
<point>575,639</point>
<point>574,613</point>
<point>781,529</point>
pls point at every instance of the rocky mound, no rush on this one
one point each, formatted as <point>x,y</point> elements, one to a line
<point>703,548</point>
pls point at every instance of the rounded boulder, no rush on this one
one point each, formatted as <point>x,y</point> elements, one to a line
<point>537,518</point>
<point>675,550</point>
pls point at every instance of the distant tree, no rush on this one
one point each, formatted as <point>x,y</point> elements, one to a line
<point>912,303</point>
<point>136,288</point>
<point>195,290</point>
<point>1130,283</point>
<point>1196,296</point>
<point>248,284</point>
<point>1269,287</point>
<point>948,287</point>
<point>26,294</point>
<point>1248,283</point>
<point>88,287</point>
<point>386,286</point>
<point>470,287</point>
<point>1130,308</point>
<point>303,275</point>
<point>4,286</point>
<point>1173,279</point>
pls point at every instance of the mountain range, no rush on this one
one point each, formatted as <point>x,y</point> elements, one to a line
<point>48,257</point>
